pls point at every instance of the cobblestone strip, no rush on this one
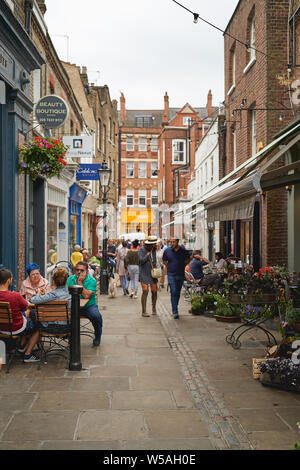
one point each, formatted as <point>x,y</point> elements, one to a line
<point>225,430</point>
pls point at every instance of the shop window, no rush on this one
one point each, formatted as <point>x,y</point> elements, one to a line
<point>52,232</point>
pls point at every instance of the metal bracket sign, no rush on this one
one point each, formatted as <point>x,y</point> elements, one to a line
<point>79,146</point>
<point>51,111</point>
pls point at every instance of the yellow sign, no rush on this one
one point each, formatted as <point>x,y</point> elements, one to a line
<point>136,216</point>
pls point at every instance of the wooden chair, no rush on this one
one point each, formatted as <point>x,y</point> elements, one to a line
<point>54,339</point>
<point>12,341</point>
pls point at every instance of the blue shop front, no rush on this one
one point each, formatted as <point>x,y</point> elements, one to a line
<point>77,196</point>
<point>18,58</point>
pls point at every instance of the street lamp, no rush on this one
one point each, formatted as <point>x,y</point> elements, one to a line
<point>104,178</point>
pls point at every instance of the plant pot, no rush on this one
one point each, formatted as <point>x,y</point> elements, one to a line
<point>224,319</point>
<point>253,299</point>
<point>274,381</point>
<point>297,326</point>
<point>235,298</point>
<point>197,311</point>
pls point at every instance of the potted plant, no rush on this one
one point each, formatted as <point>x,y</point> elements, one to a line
<point>197,305</point>
<point>252,313</point>
<point>208,300</point>
<point>234,287</point>
<point>224,311</point>
<point>42,157</point>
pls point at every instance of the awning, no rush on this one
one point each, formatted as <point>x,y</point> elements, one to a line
<point>284,176</point>
<point>236,202</point>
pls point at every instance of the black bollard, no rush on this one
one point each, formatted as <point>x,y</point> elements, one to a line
<point>75,353</point>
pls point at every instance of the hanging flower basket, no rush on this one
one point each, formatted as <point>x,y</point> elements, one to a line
<point>43,157</point>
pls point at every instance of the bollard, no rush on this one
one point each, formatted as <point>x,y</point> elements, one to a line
<point>75,353</point>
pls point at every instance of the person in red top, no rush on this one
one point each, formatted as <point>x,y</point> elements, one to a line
<point>22,323</point>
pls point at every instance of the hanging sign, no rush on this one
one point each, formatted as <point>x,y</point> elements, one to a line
<point>51,111</point>
<point>79,146</point>
<point>88,171</point>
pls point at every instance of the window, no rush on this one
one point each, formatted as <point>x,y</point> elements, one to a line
<point>154,198</point>
<point>142,145</point>
<point>178,153</point>
<point>186,120</point>
<point>143,120</point>
<point>212,170</point>
<point>129,197</point>
<point>154,145</point>
<point>154,169</point>
<point>253,132</point>
<point>104,139</point>
<point>232,70</point>
<point>142,197</point>
<point>129,169</point>
<point>114,131</point>
<point>205,173</point>
<point>110,129</point>
<point>99,134</point>
<point>130,144</point>
<point>252,39</point>
<point>142,169</point>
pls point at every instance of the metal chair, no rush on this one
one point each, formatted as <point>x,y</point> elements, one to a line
<point>11,340</point>
<point>190,286</point>
<point>56,336</point>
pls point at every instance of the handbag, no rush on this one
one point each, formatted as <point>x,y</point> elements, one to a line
<point>156,273</point>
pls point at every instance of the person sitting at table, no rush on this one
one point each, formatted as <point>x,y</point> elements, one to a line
<point>59,291</point>
<point>35,283</point>
<point>90,310</point>
<point>196,269</point>
<point>22,324</point>
<point>221,263</point>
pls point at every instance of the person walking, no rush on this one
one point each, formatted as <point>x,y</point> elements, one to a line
<point>159,261</point>
<point>132,262</point>
<point>121,268</point>
<point>147,261</point>
<point>175,259</point>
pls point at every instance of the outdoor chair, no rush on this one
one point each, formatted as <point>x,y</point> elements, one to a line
<point>54,338</point>
<point>12,341</point>
<point>190,286</point>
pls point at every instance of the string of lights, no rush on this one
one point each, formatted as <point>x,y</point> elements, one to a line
<point>198,17</point>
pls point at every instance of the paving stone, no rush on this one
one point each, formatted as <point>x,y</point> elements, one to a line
<point>81,445</point>
<point>289,416</point>
<point>113,371</point>
<point>168,444</point>
<point>273,440</point>
<point>178,424</point>
<point>22,445</point>
<point>157,383</point>
<point>110,425</point>
<point>51,401</point>
<point>16,401</point>
<point>101,384</point>
<point>51,384</point>
<point>255,420</point>
<point>259,400</point>
<point>183,399</point>
<point>41,426</point>
<point>5,417</point>
<point>151,341</point>
<point>142,400</point>
<point>146,370</point>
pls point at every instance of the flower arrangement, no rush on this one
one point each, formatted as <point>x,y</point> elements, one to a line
<point>255,312</point>
<point>287,373</point>
<point>42,157</point>
<point>224,308</point>
<point>235,284</point>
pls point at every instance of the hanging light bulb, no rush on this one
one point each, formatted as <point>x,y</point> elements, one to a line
<point>196,16</point>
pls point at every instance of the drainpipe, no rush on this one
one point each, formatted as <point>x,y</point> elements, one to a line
<point>223,131</point>
<point>28,14</point>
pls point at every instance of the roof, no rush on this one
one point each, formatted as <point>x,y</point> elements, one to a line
<point>158,115</point>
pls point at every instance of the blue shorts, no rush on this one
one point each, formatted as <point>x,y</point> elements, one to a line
<point>30,326</point>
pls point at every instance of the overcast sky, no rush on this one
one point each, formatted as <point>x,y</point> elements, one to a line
<point>145,47</point>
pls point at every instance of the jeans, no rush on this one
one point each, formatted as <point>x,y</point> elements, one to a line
<point>125,283</point>
<point>95,317</point>
<point>133,270</point>
<point>175,283</point>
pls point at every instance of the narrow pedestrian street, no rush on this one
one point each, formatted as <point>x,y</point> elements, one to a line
<point>154,383</point>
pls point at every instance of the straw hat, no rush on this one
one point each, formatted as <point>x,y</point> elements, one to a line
<point>152,240</point>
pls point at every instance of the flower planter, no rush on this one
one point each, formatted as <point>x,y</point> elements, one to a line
<point>224,319</point>
<point>235,298</point>
<point>297,326</point>
<point>197,311</point>
<point>275,381</point>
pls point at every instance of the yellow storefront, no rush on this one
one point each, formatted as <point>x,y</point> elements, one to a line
<point>136,220</point>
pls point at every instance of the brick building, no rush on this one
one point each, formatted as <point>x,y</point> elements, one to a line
<point>257,197</point>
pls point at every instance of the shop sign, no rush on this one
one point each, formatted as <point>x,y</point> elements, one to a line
<point>88,171</point>
<point>79,146</point>
<point>51,111</point>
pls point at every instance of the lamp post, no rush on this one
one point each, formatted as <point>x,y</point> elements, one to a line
<point>104,179</point>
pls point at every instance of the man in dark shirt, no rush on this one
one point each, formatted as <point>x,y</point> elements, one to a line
<point>175,258</point>
<point>196,265</point>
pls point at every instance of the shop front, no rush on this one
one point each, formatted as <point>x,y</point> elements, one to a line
<point>18,58</point>
<point>136,220</point>
<point>76,198</point>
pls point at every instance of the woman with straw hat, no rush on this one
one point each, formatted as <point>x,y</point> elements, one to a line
<point>147,261</point>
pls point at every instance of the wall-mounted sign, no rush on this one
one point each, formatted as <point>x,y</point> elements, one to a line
<point>88,171</point>
<point>79,146</point>
<point>51,111</point>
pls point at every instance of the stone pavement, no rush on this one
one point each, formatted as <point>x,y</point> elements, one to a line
<point>154,383</point>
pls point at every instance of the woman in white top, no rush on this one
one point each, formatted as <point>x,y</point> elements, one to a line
<point>221,263</point>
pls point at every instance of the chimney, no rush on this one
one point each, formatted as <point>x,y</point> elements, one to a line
<point>123,110</point>
<point>166,108</point>
<point>42,6</point>
<point>209,104</point>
